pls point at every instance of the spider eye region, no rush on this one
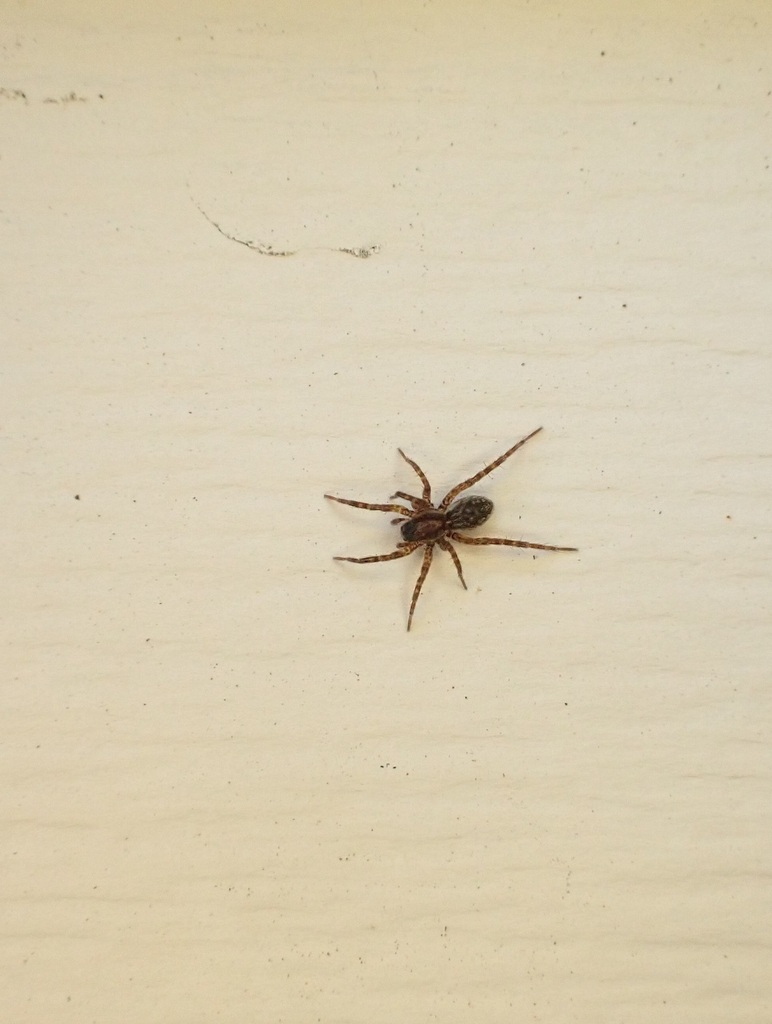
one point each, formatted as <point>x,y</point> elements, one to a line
<point>469,512</point>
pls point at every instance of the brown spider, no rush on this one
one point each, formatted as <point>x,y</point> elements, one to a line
<point>425,525</point>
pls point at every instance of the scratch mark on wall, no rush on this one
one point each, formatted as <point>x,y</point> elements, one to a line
<point>362,252</point>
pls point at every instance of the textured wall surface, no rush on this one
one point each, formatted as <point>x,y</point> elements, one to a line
<point>234,788</point>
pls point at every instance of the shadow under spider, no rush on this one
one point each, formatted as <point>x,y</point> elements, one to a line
<point>426,525</point>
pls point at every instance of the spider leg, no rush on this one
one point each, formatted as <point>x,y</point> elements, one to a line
<point>417,503</point>
<point>509,543</point>
<point>420,581</point>
<point>484,472</point>
<point>376,508</point>
<point>447,546</point>
<point>421,476</point>
<point>402,550</point>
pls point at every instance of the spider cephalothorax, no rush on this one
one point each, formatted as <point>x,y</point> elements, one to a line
<point>424,524</point>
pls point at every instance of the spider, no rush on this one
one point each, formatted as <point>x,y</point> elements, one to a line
<point>425,524</point>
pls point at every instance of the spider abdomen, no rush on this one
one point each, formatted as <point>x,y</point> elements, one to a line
<point>468,512</point>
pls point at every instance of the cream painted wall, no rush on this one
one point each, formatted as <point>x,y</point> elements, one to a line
<point>234,789</point>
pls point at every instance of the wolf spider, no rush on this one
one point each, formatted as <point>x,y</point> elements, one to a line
<point>425,524</point>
